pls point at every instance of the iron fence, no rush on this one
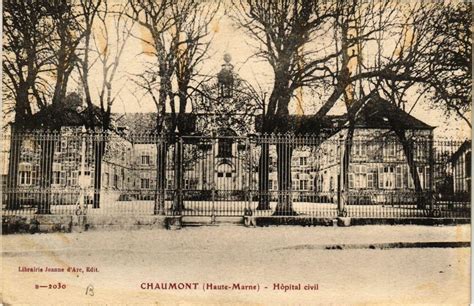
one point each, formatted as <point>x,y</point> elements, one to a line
<point>369,174</point>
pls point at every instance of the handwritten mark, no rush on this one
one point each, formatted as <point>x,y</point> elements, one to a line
<point>90,290</point>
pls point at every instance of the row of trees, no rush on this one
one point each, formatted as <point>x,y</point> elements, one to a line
<point>325,45</point>
<point>347,50</point>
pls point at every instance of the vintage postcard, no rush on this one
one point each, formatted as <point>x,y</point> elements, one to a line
<point>236,152</point>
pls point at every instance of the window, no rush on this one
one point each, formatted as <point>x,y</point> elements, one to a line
<point>351,180</point>
<point>57,174</point>
<point>467,165</point>
<point>145,159</point>
<point>358,176</point>
<point>106,179</point>
<point>407,174</point>
<point>398,177</point>
<point>421,176</point>
<point>115,183</point>
<point>220,174</point>
<point>25,173</point>
<point>390,149</point>
<point>421,150</point>
<point>303,185</point>
<point>224,147</point>
<point>304,161</point>
<point>25,177</point>
<point>372,178</point>
<point>145,183</point>
<point>360,149</point>
<point>387,177</point>
<point>57,146</point>
<point>72,179</point>
<point>427,177</point>
<point>270,184</point>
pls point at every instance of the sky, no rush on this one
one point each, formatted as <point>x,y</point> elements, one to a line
<point>228,38</point>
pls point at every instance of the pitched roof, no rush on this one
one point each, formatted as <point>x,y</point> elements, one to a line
<point>377,112</point>
<point>374,112</point>
<point>465,146</point>
<point>143,123</point>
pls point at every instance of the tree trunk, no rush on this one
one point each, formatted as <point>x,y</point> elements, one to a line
<point>160,190</point>
<point>14,161</point>
<point>98,146</point>
<point>178,176</point>
<point>346,160</point>
<point>408,150</point>
<point>263,176</point>
<point>48,144</point>
<point>285,202</point>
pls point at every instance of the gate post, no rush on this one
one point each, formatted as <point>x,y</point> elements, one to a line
<point>248,144</point>
<point>213,182</point>
<point>431,192</point>
<point>82,178</point>
<point>178,177</point>
<point>341,190</point>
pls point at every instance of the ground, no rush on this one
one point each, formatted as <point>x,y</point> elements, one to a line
<point>227,255</point>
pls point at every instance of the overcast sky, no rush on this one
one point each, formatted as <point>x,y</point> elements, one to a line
<point>227,38</point>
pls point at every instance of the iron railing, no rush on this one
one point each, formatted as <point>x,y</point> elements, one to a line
<point>383,176</point>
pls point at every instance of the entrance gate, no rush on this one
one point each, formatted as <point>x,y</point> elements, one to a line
<point>221,177</point>
<point>217,173</point>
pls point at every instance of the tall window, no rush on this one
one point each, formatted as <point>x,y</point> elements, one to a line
<point>390,149</point>
<point>106,179</point>
<point>145,159</point>
<point>225,147</point>
<point>25,173</point>
<point>398,177</point>
<point>360,148</point>
<point>303,185</point>
<point>467,165</point>
<point>358,176</point>
<point>372,178</point>
<point>145,183</point>
<point>57,174</point>
<point>72,178</point>
<point>304,160</point>
<point>116,178</point>
<point>387,177</point>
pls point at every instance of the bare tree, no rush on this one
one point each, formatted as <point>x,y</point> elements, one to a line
<point>290,36</point>
<point>282,31</point>
<point>450,59</point>
<point>41,45</point>
<point>25,57</point>
<point>104,47</point>
<point>179,33</point>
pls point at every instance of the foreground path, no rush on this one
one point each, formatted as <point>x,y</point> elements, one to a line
<point>203,261</point>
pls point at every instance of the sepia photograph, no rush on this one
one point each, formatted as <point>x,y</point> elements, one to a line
<point>236,152</point>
